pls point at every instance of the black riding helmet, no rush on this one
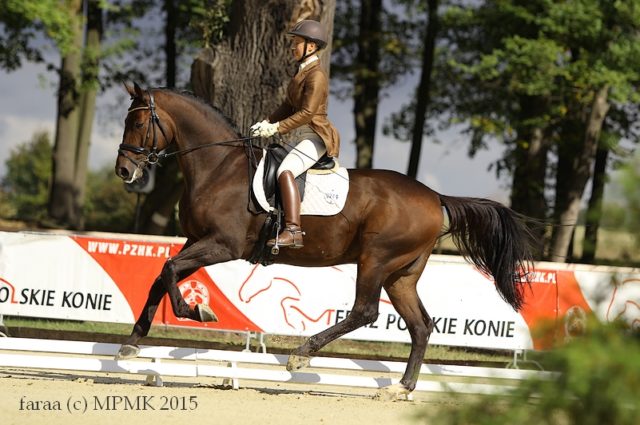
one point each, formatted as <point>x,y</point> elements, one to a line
<point>310,31</point>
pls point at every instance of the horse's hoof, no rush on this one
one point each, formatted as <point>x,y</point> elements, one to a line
<point>392,393</point>
<point>296,362</point>
<point>205,313</point>
<point>127,351</point>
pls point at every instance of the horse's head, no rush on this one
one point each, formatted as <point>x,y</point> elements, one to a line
<point>147,132</point>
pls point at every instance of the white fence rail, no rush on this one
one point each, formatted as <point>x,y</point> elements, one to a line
<point>159,362</point>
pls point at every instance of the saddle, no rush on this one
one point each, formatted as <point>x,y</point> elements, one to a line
<point>273,158</point>
<point>325,185</point>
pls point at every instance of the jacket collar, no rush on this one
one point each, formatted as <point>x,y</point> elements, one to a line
<point>309,61</point>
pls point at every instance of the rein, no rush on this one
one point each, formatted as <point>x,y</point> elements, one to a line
<point>206,145</point>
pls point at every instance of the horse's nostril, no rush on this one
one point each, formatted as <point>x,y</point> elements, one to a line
<point>123,172</point>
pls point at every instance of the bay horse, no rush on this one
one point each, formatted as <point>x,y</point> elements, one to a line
<point>388,227</point>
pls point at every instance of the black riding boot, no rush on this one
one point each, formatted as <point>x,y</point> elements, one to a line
<point>291,236</point>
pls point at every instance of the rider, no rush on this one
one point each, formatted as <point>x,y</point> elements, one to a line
<point>305,110</point>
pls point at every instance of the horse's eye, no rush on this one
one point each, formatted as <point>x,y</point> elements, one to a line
<point>139,124</point>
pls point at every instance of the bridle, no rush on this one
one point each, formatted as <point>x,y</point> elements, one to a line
<point>153,155</point>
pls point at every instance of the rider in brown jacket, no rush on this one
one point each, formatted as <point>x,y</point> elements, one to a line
<point>305,110</point>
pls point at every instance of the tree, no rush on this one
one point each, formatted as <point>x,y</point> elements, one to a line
<point>66,24</point>
<point>594,208</point>
<point>23,23</point>
<point>373,48</point>
<point>539,76</point>
<point>366,78</point>
<point>255,41</point>
<point>423,93</point>
<point>108,207</point>
<point>26,184</point>
<point>496,76</point>
<point>630,181</point>
<point>76,105</point>
<point>602,69</point>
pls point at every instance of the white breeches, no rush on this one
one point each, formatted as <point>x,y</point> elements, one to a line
<point>302,157</point>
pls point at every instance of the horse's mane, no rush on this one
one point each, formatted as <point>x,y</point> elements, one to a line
<point>202,104</point>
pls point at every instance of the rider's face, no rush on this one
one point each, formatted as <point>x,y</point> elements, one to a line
<point>297,47</point>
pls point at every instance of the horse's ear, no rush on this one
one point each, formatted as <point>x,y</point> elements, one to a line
<point>129,89</point>
<point>134,90</point>
<point>138,90</point>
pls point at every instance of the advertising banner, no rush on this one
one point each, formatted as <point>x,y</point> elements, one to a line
<point>107,278</point>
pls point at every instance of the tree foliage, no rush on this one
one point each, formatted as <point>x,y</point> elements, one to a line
<point>23,21</point>
<point>598,382</point>
<point>630,182</point>
<point>109,207</point>
<point>26,183</point>
<point>25,190</point>
<point>541,77</point>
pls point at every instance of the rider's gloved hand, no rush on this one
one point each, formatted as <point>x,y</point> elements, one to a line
<point>264,129</point>
<point>255,129</point>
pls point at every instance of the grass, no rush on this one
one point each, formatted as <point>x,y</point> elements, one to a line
<point>163,335</point>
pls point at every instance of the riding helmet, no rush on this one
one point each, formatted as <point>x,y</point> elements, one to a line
<point>312,31</point>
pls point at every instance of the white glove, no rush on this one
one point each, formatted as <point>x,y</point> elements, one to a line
<point>264,129</point>
<point>255,129</point>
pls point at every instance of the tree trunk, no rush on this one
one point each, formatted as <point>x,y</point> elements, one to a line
<point>530,167</point>
<point>256,43</point>
<point>170,50</point>
<point>594,211</point>
<point>63,194</point>
<point>366,81</point>
<point>423,95</point>
<point>573,180</point>
<point>87,105</point>
<point>527,191</point>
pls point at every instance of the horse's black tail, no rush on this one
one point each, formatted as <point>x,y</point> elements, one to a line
<point>495,239</point>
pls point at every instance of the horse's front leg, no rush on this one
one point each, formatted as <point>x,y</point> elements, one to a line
<point>191,258</point>
<point>141,328</point>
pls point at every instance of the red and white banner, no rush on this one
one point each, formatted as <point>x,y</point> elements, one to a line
<point>107,278</point>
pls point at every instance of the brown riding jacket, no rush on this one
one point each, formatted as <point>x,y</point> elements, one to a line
<point>306,104</point>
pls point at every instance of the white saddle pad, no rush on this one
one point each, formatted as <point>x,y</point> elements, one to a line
<point>325,191</point>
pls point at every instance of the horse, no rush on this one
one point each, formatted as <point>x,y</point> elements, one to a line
<point>388,227</point>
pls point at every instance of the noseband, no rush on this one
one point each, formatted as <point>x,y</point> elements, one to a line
<point>153,155</point>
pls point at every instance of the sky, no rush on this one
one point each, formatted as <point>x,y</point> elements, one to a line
<point>28,105</point>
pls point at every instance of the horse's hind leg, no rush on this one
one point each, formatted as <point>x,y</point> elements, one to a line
<point>364,311</point>
<point>404,297</point>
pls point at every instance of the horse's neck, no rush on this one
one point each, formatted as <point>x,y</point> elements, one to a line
<point>193,130</point>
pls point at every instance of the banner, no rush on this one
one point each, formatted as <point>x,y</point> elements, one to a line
<point>107,278</point>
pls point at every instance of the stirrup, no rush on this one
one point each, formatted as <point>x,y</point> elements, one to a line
<point>294,241</point>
